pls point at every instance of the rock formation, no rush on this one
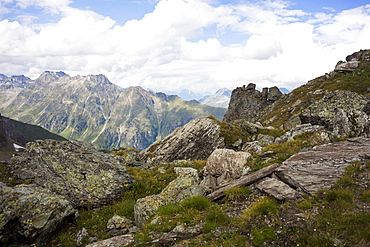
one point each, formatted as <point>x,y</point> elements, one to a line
<point>73,169</point>
<point>247,102</point>
<point>194,141</point>
<point>320,167</point>
<point>341,112</point>
<point>30,214</point>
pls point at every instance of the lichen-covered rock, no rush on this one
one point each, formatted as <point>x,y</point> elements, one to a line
<point>320,136</point>
<point>184,186</point>
<point>341,112</point>
<point>74,169</point>
<point>30,214</point>
<point>194,141</point>
<point>223,165</point>
<point>118,225</point>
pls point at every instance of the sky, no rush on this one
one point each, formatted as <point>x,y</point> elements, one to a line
<point>170,45</point>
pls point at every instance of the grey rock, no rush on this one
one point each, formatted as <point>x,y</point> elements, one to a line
<point>321,135</point>
<point>274,94</point>
<point>74,169</point>
<point>320,167</point>
<point>118,241</point>
<point>265,140</point>
<point>223,165</point>
<point>346,67</point>
<point>180,232</point>
<point>119,222</point>
<point>184,186</point>
<point>194,141</point>
<point>341,112</point>
<point>81,235</point>
<point>252,147</point>
<point>147,206</point>
<point>247,102</point>
<point>277,189</point>
<point>30,214</point>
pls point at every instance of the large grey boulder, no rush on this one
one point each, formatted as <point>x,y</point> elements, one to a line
<point>277,189</point>
<point>30,214</point>
<point>320,167</point>
<point>194,141</point>
<point>184,186</point>
<point>73,169</point>
<point>224,165</point>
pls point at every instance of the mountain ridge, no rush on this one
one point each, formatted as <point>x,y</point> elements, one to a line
<point>92,109</point>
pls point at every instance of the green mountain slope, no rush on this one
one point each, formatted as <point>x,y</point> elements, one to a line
<point>92,109</point>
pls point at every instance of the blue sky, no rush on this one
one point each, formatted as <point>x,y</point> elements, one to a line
<point>169,45</point>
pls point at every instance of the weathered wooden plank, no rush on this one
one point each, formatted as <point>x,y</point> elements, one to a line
<point>245,180</point>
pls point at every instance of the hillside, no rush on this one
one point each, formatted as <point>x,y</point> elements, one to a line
<point>18,133</point>
<point>92,109</point>
<point>280,170</point>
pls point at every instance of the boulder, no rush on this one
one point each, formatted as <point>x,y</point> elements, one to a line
<point>341,112</point>
<point>194,141</point>
<point>346,67</point>
<point>321,166</point>
<point>223,165</point>
<point>277,189</point>
<point>73,169</point>
<point>184,186</point>
<point>119,241</point>
<point>30,214</point>
<point>119,225</point>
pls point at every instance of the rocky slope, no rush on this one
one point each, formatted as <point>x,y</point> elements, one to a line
<point>92,109</point>
<point>284,165</point>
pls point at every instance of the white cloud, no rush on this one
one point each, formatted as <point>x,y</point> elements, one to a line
<point>169,48</point>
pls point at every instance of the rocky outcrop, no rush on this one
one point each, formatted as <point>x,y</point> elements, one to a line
<point>305,172</point>
<point>322,166</point>
<point>194,141</point>
<point>30,214</point>
<point>223,166</point>
<point>352,62</point>
<point>247,102</point>
<point>73,169</point>
<point>341,112</point>
<point>184,186</point>
<point>320,136</point>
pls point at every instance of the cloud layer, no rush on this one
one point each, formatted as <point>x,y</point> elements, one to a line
<point>189,44</point>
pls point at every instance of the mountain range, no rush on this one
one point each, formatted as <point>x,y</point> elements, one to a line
<point>92,109</point>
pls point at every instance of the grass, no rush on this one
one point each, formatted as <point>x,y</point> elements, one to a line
<point>232,132</point>
<point>237,193</point>
<point>265,206</point>
<point>340,221</point>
